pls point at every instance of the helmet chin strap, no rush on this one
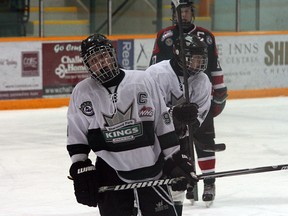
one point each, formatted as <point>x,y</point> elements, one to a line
<point>186,25</point>
<point>116,80</point>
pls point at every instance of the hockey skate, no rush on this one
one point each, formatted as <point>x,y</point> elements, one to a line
<point>190,195</point>
<point>208,194</point>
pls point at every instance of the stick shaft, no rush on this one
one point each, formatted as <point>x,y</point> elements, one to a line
<point>186,89</point>
<point>244,171</point>
<point>200,177</point>
<point>138,185</point>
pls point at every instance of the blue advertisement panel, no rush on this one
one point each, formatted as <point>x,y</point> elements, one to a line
<point>125,53</point>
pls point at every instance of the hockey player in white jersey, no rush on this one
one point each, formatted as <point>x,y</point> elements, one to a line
<point>168,74</point>
<point>121,116</point>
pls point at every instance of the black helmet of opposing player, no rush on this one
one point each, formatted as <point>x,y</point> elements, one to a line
<point>99,57</point>
<point>187,13</point>
<point>195,52</point>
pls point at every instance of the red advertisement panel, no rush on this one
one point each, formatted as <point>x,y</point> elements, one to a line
<point>62,67</point>
<point>30,64</point>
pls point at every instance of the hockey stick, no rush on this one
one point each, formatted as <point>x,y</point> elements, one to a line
<point>177,5</point>
<point>138,185</point>
<point>243,171</point>
<point>200,177</point>
<point>209,148</point>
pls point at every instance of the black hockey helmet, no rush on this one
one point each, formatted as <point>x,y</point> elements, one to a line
<point>99,57</point>
<point>196,54</point>
<point>183,4</point>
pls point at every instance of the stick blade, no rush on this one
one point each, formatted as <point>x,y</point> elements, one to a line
<point>215,148</point>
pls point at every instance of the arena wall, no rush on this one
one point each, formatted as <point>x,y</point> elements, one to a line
<point>41,72</point>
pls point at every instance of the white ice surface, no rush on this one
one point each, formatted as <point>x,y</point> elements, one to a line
<point>34,162</point>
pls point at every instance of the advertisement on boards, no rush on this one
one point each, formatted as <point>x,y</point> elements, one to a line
<point>142,53</point>
<point>125,53</point>
<point>62,67</point>
<point>254,61</point>
<point>35,69</point>
<point>20,71</point>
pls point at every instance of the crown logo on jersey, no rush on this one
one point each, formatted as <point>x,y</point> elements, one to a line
<point>119,119</point>
<point>189,40</point>
<point>176,100</point>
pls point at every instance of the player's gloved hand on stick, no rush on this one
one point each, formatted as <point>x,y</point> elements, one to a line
<point>180,128</point>
<point>180,166</point>
<point>218,101</point>
<point>84,176</point>
<point>185,114</point>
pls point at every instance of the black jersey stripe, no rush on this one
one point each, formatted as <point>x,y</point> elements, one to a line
<point>168,140</point>
<point>144,173</point>
<point>78,149</point>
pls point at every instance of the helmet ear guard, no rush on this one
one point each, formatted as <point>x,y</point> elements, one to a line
<point>99,57</point>
<point>195,52</point>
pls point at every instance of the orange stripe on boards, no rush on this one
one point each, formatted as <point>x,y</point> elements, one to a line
<point>50,38</point>
<point>77,38</point>
<point>251,33</point>
<point>132,36</point>
<point>259,93</point>
<point>60,102</point>
<point>33,103</point>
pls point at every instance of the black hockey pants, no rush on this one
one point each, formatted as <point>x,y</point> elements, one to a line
<point>152,201</point>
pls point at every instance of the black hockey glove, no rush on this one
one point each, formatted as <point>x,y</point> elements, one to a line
<point>219,101</point>
<point>180,128</point>
<point>185,114</point>
<point>84,176</point>
<point>180,166</point>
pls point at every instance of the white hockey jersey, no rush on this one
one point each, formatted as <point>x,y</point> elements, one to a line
<point>172,87</point>
<point>127,126</point>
